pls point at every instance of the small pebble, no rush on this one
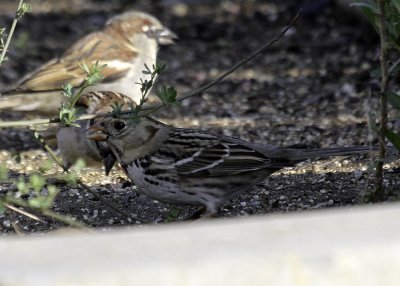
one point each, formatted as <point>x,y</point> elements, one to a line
<point>357,174</point>
<point>95,213</point>
<point>254,203</point>
<point>7,223</point>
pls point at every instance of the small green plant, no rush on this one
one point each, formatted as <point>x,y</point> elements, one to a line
<point>167,95</point>
<point>41,195</point>
<point>22,9</point>
<point>384,15</point>
<point>173,214</point>
<point>68,112</point>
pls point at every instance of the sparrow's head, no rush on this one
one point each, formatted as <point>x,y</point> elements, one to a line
<point>126,134</point>
<point>134,25</point>
<point>95,102</point>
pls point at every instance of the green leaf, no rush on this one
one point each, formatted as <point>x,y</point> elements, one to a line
<point>38,203</point>
<point>2,207</point>
<point>369,9</point>
<point>167,94</point>
<point>394,138</point>
<point>394,100</point>
<point>79,165</point>
<point>25,8</point>
<point>117,108</point>
<point>173,214</point>
<point>22,186</point>
<point>396,4</point>
<point>159,67</point>
<point>71,178</point>
<point>85,68</point>
<point>68,90</point>
<point>3,173</point>
<point>371,6</point>
<point>37,182</point>
<point>46,166</point>
<point>147,69</point>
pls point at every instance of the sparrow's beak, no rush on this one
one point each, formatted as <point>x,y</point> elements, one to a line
<point>166,37</point>
<point>96,132</point>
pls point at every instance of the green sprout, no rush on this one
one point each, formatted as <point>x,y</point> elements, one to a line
<point>68,113</point>
<point>167,95</point>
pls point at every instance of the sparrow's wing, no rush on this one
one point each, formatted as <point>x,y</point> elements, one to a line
<point>200,153</point>
<point>94,47</point>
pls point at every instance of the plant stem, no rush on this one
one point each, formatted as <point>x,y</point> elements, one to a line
<point>236,66</point>
<point>14,24</point>
<point>378,195</point>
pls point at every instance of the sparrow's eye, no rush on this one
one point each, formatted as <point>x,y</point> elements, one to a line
<point>119,125</point>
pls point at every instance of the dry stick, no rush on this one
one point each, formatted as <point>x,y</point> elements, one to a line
<point>18,231</point>
<point>65,219</point>
<point>80,183</point>
<point>262,49</point>
<point>378,195</point>
<point>25,213</point>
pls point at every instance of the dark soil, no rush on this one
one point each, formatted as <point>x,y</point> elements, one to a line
<point>312,88</point>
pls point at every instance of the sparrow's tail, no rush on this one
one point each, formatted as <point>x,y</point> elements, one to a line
<point>298,155</point>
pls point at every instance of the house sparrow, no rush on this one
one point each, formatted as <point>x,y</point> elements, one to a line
<point>127,42</point>
<point>187,166</point>
<point>71,141</point>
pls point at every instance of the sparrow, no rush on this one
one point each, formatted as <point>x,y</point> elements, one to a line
<point>127,42</point>
<point>194,167</point>
<point>71,140</point>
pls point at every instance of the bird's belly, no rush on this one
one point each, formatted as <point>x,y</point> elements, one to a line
<point>162,190</point>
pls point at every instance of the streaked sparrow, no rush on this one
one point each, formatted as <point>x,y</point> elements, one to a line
<point>187,166</point>
<point>127,42</point>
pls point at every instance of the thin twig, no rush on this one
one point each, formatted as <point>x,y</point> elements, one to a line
<point>260,50</point>
<point>10,34</point>
<point>149,109</point>
<point>16,228</point>
<point>65,219</point>
<point>236,66</point>
<point>25,213</point>
<point>393,67</point>
<point>378,195</point>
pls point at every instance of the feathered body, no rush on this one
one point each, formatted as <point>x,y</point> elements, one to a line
<point>188,166</point>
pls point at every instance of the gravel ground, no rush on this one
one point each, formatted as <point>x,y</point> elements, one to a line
<point>311,88</point>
